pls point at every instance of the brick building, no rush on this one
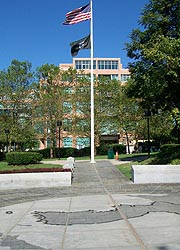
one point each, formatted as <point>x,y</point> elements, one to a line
<point>102,67</point>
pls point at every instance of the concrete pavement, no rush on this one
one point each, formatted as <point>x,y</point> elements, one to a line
<point>102,210</point>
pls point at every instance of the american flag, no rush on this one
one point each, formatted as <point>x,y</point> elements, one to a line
<point>78,15</point>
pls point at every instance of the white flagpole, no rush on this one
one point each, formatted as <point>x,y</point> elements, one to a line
<point>92,90</point>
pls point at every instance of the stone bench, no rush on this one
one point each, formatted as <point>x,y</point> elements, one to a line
<point>156,173</point>
<point>69,164</point>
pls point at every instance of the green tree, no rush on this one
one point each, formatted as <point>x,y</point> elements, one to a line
<point>49,105</point>
<point>115,112</point>
<point>16,103</point>
<point>81,96</point>
<point>155,72</point>
<point>155,50</point>
<point>106,105</point>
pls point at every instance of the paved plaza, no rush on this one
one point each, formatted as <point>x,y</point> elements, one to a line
<point>102,210</point>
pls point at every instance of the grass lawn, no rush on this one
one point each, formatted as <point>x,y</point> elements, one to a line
<point>83,158</point>
<point>4,166</point>
<point>126,169</point>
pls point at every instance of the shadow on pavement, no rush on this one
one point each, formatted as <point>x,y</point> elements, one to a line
<point>135,158</point>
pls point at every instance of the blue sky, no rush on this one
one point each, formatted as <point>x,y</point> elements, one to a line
<point>32,30</point>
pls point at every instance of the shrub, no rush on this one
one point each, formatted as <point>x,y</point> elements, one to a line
<point>103,149</point>
<point>85,151</point>
<point>169,149</point>
<point>175,162</point>
<point>169,152</point>
<point>154,146</point>
<point>23,158</point>
<point>2,156</point>
<point>74,152</point>
<point>45,152</point>
<point>65,152</point>
<point>121,148</point>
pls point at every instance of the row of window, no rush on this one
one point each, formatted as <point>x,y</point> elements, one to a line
<point>85,64</point>
<point>81,142</point>
<point>101,64</point>
<point>66,126</point>
<point>123,78</point>
<point>106,64</point>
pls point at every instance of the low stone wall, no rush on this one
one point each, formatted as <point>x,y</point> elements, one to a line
<point>34,180</point>
<point>156,173</point>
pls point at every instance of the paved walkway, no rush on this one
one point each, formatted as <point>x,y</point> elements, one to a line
<point>102,210</point>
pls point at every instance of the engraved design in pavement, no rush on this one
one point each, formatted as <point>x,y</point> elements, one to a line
<point>94,217</point>
<point>14,244</point>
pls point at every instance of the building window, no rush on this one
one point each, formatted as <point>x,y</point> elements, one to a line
<point>68,90</point>
<point>48,142</point>
<point>114,64</point>
<point>39,128</point>
<point>67,142</point>
<point>124,77</point>
<point>83,76</point>
<point>82,125</point>
<point>67,107</point>
<point>80,107</point>
<point>66,78</point>
<point>114,77</point>
<point>5,112</point>
<point>107,77</point>
<point>82,142</point>
<point>108,64</point>
<point>84,64</point>
<point>67,125</point>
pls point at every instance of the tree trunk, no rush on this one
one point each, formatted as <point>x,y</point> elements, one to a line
<point>127,139</point>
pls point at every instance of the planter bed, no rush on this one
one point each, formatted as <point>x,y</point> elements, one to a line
<point>37,170</point>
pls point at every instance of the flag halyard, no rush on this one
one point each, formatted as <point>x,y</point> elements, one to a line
<point>73,17</point>
<point>78,15</point>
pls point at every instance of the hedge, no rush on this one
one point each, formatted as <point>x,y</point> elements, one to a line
<point>169,152</point>
<point>74,152</point>
<point>103,149</point>
<point>154,146</point>
<point>65,152</point>
<point>23,158</point>
<point>2,156</point>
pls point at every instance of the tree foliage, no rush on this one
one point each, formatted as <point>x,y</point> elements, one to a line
<point>16,97</point>
<point>65,96</point>
<point>155,49</point>
<point>49,102</point>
